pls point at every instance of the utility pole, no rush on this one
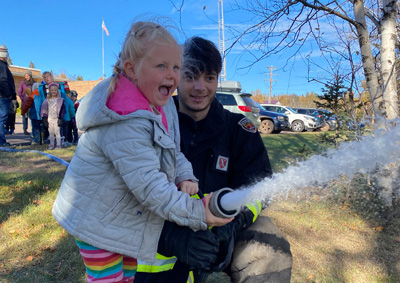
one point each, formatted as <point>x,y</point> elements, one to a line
<point>221,38</point>
<point>271,68</point>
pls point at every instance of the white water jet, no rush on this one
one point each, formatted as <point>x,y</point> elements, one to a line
<point>377,149</point>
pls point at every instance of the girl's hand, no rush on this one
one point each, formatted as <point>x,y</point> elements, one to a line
<point>211,219</point>
<point>188,187</point>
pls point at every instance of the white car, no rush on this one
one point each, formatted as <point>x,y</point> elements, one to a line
<point>298,122</point>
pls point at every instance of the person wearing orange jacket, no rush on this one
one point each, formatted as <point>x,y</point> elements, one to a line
<point>33,104</point>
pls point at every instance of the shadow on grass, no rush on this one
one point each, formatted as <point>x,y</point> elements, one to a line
<point>366,201</point>
<point>22,188</point>
<point>59,263</point>
<point>329,246</point>
<point>387,248</point>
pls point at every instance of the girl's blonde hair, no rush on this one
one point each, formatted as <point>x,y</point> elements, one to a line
<point>138,42</point>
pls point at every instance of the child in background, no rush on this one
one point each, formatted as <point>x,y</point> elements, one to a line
<point>67,119</point>
<point>72,131</point>
<point>74,97</point>
<point>52,112</point>
<point>33,104</point>
<point>128,175</point>
<point>22,93</point>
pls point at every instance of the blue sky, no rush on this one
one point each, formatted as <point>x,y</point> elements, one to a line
<point>66,36</point>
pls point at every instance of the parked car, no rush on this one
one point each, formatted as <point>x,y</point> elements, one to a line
<point>320,117</point>
<point>330,118</point>
<point>230,96</point>
<point>298,122</point>
<point>272,122</point>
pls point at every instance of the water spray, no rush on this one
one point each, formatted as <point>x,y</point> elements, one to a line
<point>218,206</point>
<point>375,150</point>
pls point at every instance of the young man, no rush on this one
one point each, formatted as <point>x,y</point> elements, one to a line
<point>225,151</point>
<point>7,92</point>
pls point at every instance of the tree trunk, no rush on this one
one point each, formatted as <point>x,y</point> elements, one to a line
<point>370,73</point>
<point>388,59</point>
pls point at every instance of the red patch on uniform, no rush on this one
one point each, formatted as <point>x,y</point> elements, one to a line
<point>222,163</point>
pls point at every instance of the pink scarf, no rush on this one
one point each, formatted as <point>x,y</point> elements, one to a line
<point>127,98</point>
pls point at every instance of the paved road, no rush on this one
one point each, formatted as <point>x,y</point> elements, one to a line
<point>18,138</point>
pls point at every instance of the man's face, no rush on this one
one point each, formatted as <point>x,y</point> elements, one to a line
<point>197,93</point>
<point>48,78</point>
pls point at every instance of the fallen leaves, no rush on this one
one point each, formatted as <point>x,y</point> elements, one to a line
<point>15,231</point>
<point>311,277</point>
<point>37,202</point>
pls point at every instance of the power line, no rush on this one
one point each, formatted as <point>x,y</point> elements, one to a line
<point>271,68</point>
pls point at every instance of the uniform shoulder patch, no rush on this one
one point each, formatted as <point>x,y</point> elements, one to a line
<point>247,125</point>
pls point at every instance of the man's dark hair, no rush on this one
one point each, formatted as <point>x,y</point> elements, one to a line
<point>200,56</point>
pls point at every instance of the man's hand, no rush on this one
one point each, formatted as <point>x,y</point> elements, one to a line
<point>211,219</point>
<point>188,187</point>
<point>243,220</point>
<point>196,249</point>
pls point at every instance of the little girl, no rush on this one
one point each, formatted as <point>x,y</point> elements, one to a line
<point>52,112</point>
<point>122,183</point>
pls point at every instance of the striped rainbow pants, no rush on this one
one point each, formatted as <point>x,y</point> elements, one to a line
<point>103,266</point>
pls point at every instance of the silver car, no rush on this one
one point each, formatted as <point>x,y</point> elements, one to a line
<point>230,96</point>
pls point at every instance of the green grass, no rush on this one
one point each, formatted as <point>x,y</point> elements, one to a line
<point>330,241</point>
<point>285,149</point>
<point>33,246</point>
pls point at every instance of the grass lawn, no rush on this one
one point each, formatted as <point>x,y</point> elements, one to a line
<point>330,241</point>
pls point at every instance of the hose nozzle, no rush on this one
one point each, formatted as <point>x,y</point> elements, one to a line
<point>216,207</point>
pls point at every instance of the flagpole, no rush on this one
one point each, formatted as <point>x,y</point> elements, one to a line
<point>102,39</point>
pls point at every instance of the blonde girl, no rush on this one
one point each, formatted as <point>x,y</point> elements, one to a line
<point>52,112</point>
<point>123,181</point>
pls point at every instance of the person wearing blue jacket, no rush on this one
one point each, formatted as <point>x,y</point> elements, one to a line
<point>48,78</point>
<point>69,116</point>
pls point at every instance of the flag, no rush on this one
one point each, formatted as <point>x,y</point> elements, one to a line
<point>103,26</point>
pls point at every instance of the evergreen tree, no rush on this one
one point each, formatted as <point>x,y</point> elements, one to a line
<point>31,65</point>
<point>332,97</point>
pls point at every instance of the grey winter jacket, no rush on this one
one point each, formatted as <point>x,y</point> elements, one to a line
<point>120,185</point>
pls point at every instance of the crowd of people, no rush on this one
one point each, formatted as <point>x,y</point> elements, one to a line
<point>49,106</point>
<point>136,194</point>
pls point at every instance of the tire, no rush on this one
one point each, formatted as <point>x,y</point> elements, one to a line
<point>266,127</point>
<point>325,127</point>
<point>297,126</point>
